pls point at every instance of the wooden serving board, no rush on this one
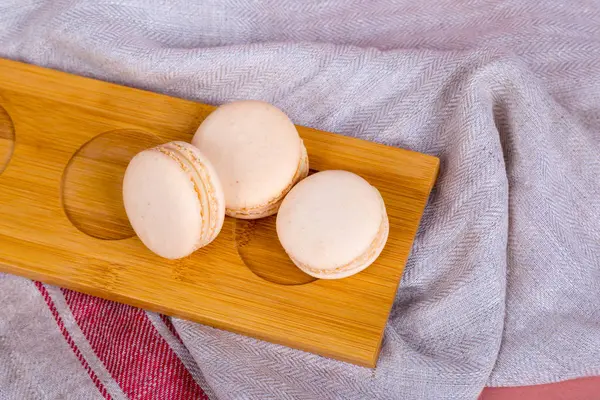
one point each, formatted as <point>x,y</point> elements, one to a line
<point>65,142</point>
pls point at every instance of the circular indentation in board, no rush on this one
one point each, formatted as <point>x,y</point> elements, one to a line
<point>258,246</point>
<point>93,179</point>
<point>7,139</point>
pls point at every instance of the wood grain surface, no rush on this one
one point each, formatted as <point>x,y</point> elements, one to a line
<point>7,138</point>
<point>62,219</point>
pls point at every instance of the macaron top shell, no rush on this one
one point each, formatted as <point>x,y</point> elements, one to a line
<point>167,206</point>
<point>330,219</point>
<point>255,149</point>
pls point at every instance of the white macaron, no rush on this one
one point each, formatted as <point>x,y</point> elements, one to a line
<point>257,153</point>
<point>333,224</point>
<point>173,199</point>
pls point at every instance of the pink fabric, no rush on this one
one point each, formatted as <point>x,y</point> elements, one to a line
<point>575,389</point>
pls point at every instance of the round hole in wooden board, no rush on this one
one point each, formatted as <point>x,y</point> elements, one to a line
<point>93,180</point>
<point>257,244</point>
<point>7,139</point>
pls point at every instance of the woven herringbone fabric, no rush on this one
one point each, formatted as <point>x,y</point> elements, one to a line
<point>503,283</point>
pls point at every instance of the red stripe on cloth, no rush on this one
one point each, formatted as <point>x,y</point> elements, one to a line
<point>170,326</point>
<point>132,350</point>
<point>50,303</point>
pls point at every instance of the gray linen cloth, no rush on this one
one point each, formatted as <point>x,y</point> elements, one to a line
<point>503,284</point>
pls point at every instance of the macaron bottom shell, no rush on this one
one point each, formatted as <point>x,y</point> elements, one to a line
<point>207,188</point>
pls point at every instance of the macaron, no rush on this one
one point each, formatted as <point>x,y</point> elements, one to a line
<point>173,199</point>
<point>333,224</point>
<point>257,153</point>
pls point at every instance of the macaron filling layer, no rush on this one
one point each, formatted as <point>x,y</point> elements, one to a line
<point>200,170</point>
<point>202,185</point>
<point>271,207</point>
<point>359,263</point>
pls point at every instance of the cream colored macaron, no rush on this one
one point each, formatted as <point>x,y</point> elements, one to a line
<point>173,199</point>
<point>333,224</point>
<point>257,153</point>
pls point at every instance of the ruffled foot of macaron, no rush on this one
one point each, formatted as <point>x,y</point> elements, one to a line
<point>333,224</point>
<point>257,153</point>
